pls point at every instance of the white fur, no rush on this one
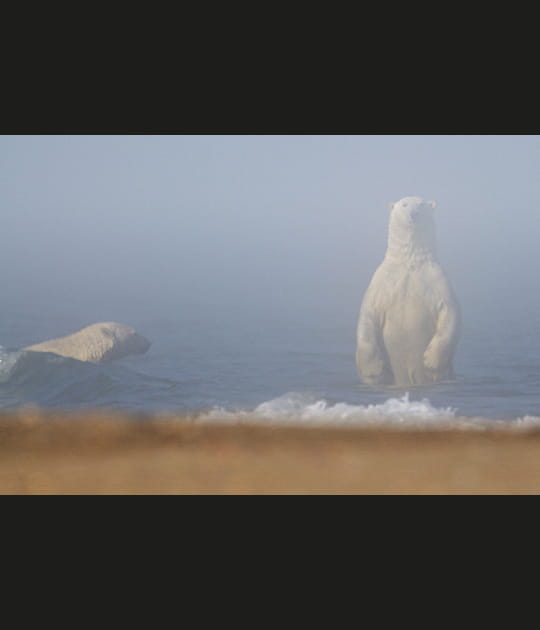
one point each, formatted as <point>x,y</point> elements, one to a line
<point>409,320</point>
<point>99,342</point>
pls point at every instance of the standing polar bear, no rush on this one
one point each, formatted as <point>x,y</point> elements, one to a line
<point>409,321</point>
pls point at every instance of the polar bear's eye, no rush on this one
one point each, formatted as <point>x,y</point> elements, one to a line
<point>404,205</point>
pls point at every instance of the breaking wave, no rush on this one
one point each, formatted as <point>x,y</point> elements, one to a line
<point>296,408</point>
<point>48,380</point>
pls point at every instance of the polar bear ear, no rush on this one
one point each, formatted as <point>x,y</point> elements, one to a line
<point>391,205</point>
<point>433,204</point>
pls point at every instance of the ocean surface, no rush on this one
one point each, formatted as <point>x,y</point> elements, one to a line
<point>227,366</point>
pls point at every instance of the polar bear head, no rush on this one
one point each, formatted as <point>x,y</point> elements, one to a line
<point>116,340</point>
<point>411,231</point>
<point>99,342</point>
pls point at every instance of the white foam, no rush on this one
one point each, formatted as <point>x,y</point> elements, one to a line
<point>8,360</point>
<point>527,422</point>
<point>304,409</point>
<point>298,408</point>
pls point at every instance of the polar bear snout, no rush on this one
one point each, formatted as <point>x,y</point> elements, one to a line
<point>135,344</point>
<point>140,344</point>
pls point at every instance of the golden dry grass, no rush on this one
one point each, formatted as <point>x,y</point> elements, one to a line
<point>45,453</point>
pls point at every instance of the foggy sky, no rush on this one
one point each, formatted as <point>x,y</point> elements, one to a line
<point>281,225</point>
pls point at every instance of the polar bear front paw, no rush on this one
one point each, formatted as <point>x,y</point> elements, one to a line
<point>431,359</point>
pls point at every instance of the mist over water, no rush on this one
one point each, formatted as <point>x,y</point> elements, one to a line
<point>244,259</point>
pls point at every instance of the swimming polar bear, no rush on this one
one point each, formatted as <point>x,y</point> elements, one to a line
<point>409,322</point>
<point>96,343</point>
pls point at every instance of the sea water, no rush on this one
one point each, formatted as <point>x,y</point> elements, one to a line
<point>240,366</point>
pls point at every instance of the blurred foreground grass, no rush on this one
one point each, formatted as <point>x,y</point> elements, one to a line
<point>110,453</point>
